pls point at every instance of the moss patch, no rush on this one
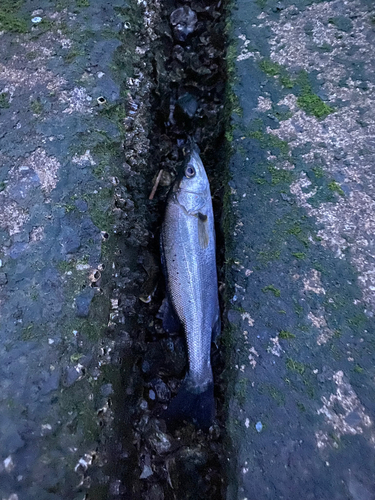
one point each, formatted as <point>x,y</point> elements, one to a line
<point>297,231</point>
<point>270,141</point>
<point>295,366</point>
<point>272,289</point>
<point>285,334</point>
<point>36,107</point>
<point>358,369</point>
<point>319,172</point>
<point>336,188</point>
<point>4,100</point>
<point>10,20</point>
<point>266,256</point>
<point>269,67</point>
<point>310,102</point>
<point>279,176</point>
<point>299,255</point>
<point>273,69</point>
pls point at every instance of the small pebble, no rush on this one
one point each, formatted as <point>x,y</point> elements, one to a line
<point>162,391</point>
<point>188,104</point>
<point>184,20</point>
<point>143,405</point>
<point>147,472</point>
<point>151,394</point>
<point>259,426</point>
<point>160,442</point>
<point>36,20</point>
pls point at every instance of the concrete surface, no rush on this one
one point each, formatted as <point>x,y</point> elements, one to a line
<point>301,250</point>
<point>60,159</point>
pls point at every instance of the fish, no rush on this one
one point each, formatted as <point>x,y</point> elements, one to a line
<point>188,249</point>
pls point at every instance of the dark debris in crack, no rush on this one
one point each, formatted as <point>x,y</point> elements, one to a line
<point>181,78</point>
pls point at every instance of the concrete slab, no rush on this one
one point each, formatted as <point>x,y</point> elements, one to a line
<point>60,159</point>
<point>301,250</point>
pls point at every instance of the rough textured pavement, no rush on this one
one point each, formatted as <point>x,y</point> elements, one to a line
<point>57,177</point>
<point>302,250</point>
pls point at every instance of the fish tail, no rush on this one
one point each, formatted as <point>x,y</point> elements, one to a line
<point>192,404</point>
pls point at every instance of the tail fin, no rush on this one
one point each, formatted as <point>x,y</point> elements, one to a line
<point>198,408</point>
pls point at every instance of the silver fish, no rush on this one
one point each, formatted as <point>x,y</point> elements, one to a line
<point>189,263</point>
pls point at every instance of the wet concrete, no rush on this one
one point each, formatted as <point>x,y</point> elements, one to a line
<point>61,121</point>
<point>94,100</point>
<point>300,207</point>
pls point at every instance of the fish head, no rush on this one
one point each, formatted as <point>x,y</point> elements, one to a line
<point>193,189</point>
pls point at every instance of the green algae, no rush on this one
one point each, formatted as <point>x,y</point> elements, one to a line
<point>260,180</point>
<point>299,255</point>
<point>36,107</point>
<point>266,256</point>
<point>358,320</point>
<point>276,395</point>
<point>274,69</point>
<point>229,135</point>
<point>318,172</point>
<point>270,141</point>
<point>272,289</point>
<point>274,392</point>
<point>285,334</point>
<point>287,240</point>
<point>76,357</point>
<point>4,100</point>
<point>311,103</point>
<point>286,81</point>
<point>65,266</point>
<point>300,233</point>
<point>73,54</point>
<point>336,188</point>
<point>280,176</point>
<point>269,67</point>
<point>10,20</point>
<point>307,100</point>
<point>68,207</point>
<point>295,366</point>
<point>28,332</point>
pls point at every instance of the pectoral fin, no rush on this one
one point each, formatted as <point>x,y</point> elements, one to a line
<point>203,236</point>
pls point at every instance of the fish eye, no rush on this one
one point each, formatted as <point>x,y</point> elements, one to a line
<point>190,171</point>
